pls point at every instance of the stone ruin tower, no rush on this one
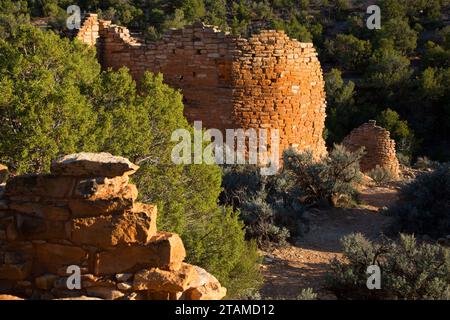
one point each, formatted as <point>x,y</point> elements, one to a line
<point>379,147</point>
<point>268,81</point>
<point>84,213</point>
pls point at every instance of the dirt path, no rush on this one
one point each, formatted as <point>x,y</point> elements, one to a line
<point>289,270</point>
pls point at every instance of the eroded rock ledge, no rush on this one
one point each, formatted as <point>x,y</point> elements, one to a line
<point>85,213</point>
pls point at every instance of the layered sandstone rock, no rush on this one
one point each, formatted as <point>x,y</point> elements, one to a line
<point>379,147</point>
<point>266,82</point>
<point>84,213</point>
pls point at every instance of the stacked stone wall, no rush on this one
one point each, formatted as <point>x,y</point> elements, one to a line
<point>85,214</point>
<point>379,147</point>
<point>268,81</point>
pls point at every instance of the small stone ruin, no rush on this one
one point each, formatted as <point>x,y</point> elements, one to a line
<point>84,214</point>
<point>379,147</point>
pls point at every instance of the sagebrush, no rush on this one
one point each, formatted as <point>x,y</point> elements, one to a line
<point>409,270</point>
<point>424,206</point>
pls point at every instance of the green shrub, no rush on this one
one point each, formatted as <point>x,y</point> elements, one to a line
<point>271,206</point>
<point>266,204</point>
<point>216,242</point>
<point>424,206</point>
<point>399,130</point>
<point>350,52</point>
<point>331,180</point>
<point>381,175</point>
<point>408,270</point>
<point>259,218</point>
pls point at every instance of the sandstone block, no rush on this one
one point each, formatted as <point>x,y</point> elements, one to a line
<point>163,250</point>
<point>44,185</point>
<point>124,286</point>
<point>99,187</point>
<point>90,280</point>
<point>104,203</point>
<point>18,271</point>
<point>163,280</point>
<point>124,277</point>
<point>137,225</point>
<point>50,257</point>
<point>157,295</point>
<point>93,165</point>
<point>205,287</point>
<point>104,293</point>
<point>45,282</point>
<point>35,228</point>
<point>15,260</point>
<point>37,210</point>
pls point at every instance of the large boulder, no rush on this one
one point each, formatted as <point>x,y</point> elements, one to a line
<point>93,165</point>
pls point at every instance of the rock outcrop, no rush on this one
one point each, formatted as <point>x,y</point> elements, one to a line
<point>379,147</point>
<point>84,214</point>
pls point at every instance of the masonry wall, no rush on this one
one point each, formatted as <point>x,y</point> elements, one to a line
<point>85,213</point>
<point>379,147</point>
<point>268,81</point>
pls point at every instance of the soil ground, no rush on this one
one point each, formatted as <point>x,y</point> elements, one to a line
<point>304,265</point>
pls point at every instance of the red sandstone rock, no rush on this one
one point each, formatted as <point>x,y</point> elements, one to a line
<point>18,271</point>
<point>48,212</point>
<point>45,185</point>
<point>50,257</point>
<point>162,280</point>
<point>104,293</point>
<point>34,228</point>
<point>49,222</point>
<point>99,187</point>
<point>45,282</point>
<point>15,260</point>
<point>104,203</point>
<point>206,287</point>
<point>93,165</point>
<point>163,250</point>
<point>134,226</point>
